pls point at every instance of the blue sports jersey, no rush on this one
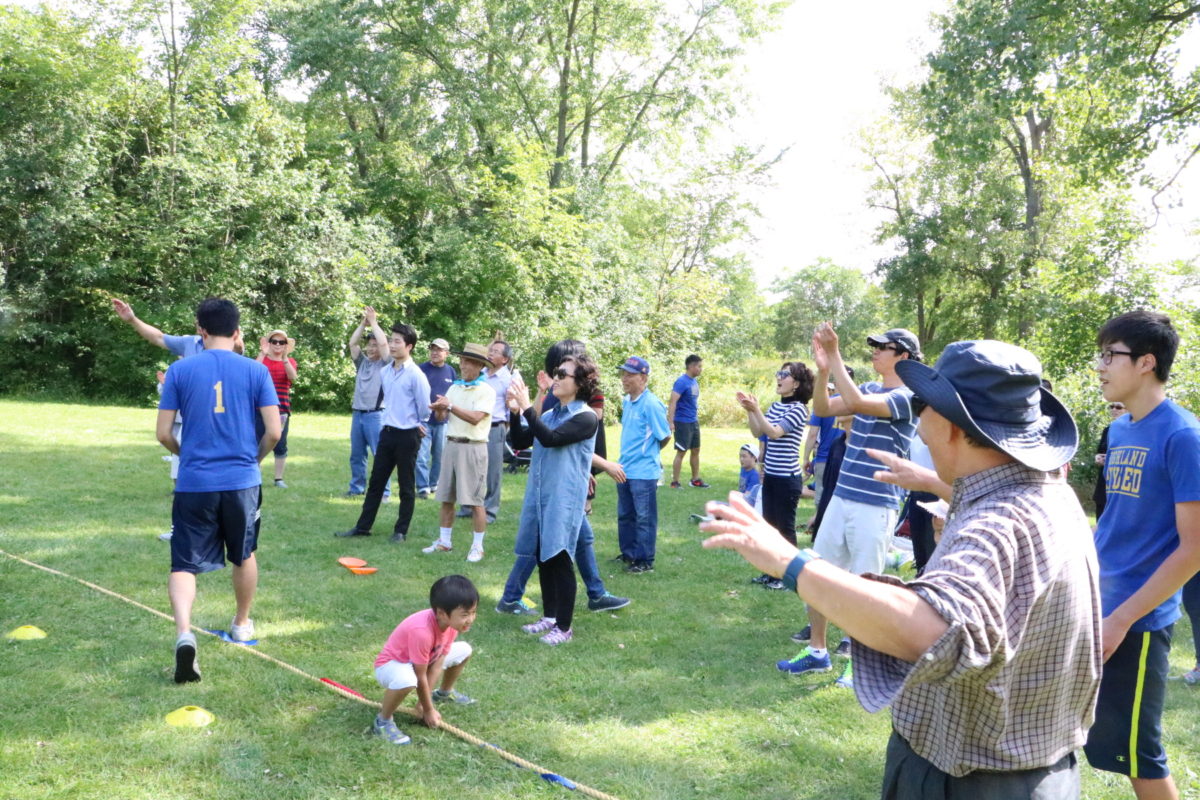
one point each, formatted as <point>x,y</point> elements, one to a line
<point>687,406</point>
<point>219,393</point>
<point>1151,465</point>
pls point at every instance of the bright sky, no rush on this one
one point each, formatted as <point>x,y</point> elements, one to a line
<point>818,81</point>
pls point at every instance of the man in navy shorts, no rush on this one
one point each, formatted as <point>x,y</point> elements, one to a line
<point>1148,544</point>
<point>219,490</point>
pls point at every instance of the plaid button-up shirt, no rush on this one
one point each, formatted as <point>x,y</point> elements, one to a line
<point>1012,683</point>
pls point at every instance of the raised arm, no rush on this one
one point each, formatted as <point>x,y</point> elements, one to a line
<point>355,349</point>
<point>148,332</point>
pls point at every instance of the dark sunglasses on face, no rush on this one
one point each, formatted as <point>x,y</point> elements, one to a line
<point>891,347</point>
<point>783,373</point>
<point>1116,407</point>
<point>561,373</point>
<point>278,341</point>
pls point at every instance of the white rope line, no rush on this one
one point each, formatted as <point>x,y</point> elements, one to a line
<point>546,774</point>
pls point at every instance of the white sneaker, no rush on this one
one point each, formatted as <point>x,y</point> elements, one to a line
<point>436,547</point>
<point>242,633</point>
<point>166,537</point>
<point>1193,677</point>
<point>476,554</point>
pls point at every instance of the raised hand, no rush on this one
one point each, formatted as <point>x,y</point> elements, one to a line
<point>544,381</point>
<point>122,310</point>
<point>747,401</point>
<point>369,315</point>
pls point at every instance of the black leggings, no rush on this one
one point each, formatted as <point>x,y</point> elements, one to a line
<point>557,577</point>
<point>780,494</point>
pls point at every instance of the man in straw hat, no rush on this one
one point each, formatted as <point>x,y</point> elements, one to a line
<point>468,405</point>
<point>991,660</point>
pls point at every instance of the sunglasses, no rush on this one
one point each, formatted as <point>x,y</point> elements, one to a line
<point>783,373</point>
<point>1116,407</point>
<point>561,373</point>
<point>891,347</point>
<point>278,341</point>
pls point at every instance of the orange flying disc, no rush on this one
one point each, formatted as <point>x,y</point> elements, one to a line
<point>349,562</point>
<point>364,570</point>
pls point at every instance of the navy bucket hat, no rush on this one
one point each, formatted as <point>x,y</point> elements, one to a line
<point>992,390</point>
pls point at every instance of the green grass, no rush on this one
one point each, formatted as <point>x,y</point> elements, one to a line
<point>674,697</point>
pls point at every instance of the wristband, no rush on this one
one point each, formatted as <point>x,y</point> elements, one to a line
<point>796,567</point>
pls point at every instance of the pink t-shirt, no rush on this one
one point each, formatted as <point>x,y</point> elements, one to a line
<point>417,640</point>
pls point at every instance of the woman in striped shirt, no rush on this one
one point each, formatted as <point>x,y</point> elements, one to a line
<point>781,430</point>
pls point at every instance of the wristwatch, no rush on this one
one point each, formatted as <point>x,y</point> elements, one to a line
<point>796,566</point>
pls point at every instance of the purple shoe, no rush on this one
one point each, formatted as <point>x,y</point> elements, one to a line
<point>556,636</point>
<point>541,626</point>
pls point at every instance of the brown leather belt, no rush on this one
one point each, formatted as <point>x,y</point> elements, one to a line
<point>462,440</point>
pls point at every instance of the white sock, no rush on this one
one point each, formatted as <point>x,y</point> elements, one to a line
<point>444,536</point>
<point>478,538</point>
<point>818,652</point>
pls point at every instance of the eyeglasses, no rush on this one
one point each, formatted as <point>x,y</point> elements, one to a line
<point>783,373</point>
<point>1116,407</point>
<point>278,341</point>
<point>561,373</point>
<point>1106,356</point>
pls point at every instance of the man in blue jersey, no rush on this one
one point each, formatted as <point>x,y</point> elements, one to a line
<point>180,346</point>
<point>683,415</point>
<point>215,514</point>
<point>1148,545</point>
<point>644,433</point>
<point>859,520</point>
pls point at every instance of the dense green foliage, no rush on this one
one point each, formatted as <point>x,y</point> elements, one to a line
<point>461,166</point>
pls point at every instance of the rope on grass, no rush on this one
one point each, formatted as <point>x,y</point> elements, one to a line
<point>349,694</point>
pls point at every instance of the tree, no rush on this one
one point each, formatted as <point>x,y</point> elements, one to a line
<point>825,292</point>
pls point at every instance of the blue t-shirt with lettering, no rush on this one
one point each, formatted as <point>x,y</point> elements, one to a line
<point>686,407</point>
<point>891,434</point>
<point>1151,465</point>
<point>219,392</point>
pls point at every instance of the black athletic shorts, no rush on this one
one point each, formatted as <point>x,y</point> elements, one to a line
<point>1126,737</point>
<point>210,527</point>
<point>687,436</point>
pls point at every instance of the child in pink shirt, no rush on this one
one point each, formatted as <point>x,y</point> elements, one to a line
<point>421,649</point>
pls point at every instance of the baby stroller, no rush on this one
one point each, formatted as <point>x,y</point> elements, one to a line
<point>515,460</point>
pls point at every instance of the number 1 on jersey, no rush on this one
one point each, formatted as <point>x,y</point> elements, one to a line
<point>219,408</point>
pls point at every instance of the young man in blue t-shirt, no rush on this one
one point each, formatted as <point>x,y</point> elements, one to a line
<point>859,519</point>
<point>441,377</point>
<point>644,433</point>
<point>684,419</point>
<point>216,508</point>
<point>1148,545</point>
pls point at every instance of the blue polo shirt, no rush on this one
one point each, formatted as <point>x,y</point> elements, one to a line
<point>183,346</point>
<point>220,393</point>
<point>827,434</point>
<point>689,398</point>
<point>643,426</point>
<point>1151,465</point>
<point>440,380</point>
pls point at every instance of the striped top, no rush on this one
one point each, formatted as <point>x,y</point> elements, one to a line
<point>782,456</point>
<point>889,434</point>
<point>283,384</point>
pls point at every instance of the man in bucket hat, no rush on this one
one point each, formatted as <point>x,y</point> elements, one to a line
<point>991,659</point>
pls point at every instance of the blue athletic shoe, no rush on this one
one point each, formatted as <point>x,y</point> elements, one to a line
<point>805,661</point>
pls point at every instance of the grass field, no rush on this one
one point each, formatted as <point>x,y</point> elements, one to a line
<point>675,696</point>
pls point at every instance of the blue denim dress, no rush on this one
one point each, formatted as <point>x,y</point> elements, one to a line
<point>556,491</point>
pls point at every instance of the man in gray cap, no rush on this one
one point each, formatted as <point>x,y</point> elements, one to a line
<point>991,659</point>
